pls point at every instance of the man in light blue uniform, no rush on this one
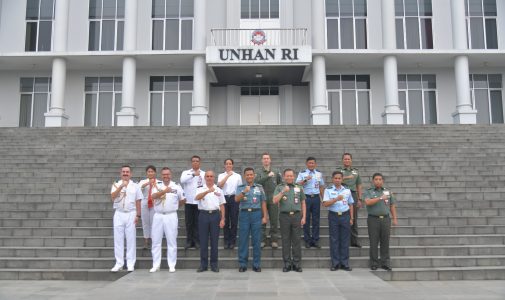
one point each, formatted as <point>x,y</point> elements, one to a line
<point>253,213</point>
<point>313,185</point>
<point>338,199</point>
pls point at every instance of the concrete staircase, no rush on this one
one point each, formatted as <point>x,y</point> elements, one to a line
<point>56,217</point>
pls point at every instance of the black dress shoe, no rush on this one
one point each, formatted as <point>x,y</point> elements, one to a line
<point>335,268</point>
<point>386,268</point>
<point>346,268</point>
<point>187,246</point>
<point>226,246</point>
<point>257,269</point>
<point>286,269</point>
<point>231,246</point>
<point>307,245</point>
<point>197,246</point>
<point>215,269</point>
<point>201,269</point>
<point>317,245</point>
<point>356,245</point>
<point>297,269</point>
<point>242,269</point>
<point>373,268</point>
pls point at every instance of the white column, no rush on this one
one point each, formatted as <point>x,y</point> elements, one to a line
<point>199,115</point>
<point>56,117</point>
<point>320,112</point>
<point>127,116</point>
<point>318,24</point>
<point>464,114</point>
<point>392,113</point>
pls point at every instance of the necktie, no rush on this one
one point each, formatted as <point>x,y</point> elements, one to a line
<point>150,197</point>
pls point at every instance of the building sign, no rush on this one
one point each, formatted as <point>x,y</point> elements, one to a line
<point>259,55</point>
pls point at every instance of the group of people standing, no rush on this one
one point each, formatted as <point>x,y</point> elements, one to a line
<point>248,202</point>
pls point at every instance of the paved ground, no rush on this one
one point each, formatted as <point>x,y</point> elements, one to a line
<point>270,284</point>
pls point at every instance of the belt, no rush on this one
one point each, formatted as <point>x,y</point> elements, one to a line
<point>249,209</point>
<point>230,195</point>
<point>339,213</point>
<point>124,211</point>
<point>166,212</point>
<point>312,195</point>
<point>290,212</point>
<point>379,217</point>
<point>209,211</point>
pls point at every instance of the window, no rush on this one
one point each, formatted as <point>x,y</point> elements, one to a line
<point>481,21</point>
<point>414,24</point>
<point>417,95</point>
<point>346,24</point>
<point>487,91</point>
<point>102,100</point>
<point>172,24</point>
<point>259,9</point>
<point>106,25</point>
<point>349,99</point>
<point>35,99</point>
<point>263,90</point>
<point>39,25</point>
<point>171,100</point>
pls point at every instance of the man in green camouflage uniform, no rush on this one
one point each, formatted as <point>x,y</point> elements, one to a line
<point>381,207</point>
<point>352,181</point>
<point>291,200</point>
<point>269,179</point>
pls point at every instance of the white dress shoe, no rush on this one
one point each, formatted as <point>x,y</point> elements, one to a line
<point>154,269</point>
<point>130,269</point>
<point>116,268</point>
<point>171,270</point>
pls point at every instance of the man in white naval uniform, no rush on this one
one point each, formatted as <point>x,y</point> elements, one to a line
<point>166,203</point>
<point>148,187</point>
<point>191,180</point>
<point>126,196</point>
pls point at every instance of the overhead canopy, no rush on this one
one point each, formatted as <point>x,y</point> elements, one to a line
<point>258,75</point>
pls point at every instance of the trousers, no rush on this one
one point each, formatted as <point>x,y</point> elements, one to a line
<point>165,224</point>
<point>124,228</point>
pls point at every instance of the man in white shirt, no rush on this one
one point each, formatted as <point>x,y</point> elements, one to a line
<point>211,205</point>
<point>125,196</point>
<point>166,203</point>
<point>190,180</point>
<point>228,182</point>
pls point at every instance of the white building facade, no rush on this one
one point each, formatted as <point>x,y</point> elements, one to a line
<point>251,62</point>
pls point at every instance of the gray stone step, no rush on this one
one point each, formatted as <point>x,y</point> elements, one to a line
<point>59,274</point>
<point>402,221</point>
<point>396,240</point>
<point>108,252</point>
<point>444,273</point>
<point>363,230</point>
<point>267,262</point>
<point>411,212</point>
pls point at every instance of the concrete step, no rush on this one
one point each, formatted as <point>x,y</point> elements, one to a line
<point>443,273</point>
<point>108,252</point>
<point>411,212</point>
<point>107,222</point>
<point>267,262</point>
<point>396,240</point>
<point>363,230</point>
<point>59,274</point>
<point>69,202</point>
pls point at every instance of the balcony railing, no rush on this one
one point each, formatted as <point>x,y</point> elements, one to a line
<point>259,37</point>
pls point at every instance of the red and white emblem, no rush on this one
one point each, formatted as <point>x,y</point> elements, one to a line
<point>258,37</point>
